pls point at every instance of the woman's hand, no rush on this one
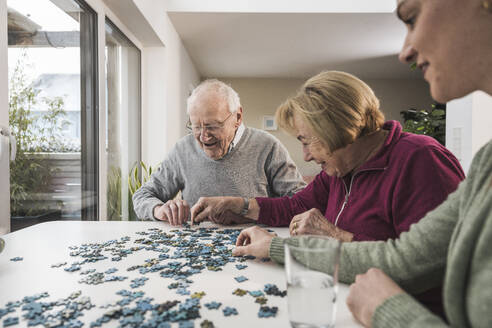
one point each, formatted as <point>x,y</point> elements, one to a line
<point>368,292</point>
<point>217,209</point>
<point>254,241</point>
<point>312,222</point>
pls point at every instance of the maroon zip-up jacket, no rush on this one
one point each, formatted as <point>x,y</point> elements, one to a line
<point>408,177</point>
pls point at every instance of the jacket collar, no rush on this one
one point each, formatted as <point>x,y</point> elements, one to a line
<point>381,159</point>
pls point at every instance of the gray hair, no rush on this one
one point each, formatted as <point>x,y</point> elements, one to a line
<point>219,87</point>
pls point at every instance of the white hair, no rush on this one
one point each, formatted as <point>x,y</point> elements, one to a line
<point>219,87</point>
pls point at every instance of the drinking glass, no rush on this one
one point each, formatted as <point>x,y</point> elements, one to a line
<point>312,281</point>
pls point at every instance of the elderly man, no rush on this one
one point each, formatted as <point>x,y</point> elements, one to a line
<point>219,157</point>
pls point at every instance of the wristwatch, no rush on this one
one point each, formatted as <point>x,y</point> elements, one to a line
<point>244,211</point>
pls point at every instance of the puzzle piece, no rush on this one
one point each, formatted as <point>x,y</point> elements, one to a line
<point>228,311</point>
<point>239,292</point>
<point>207,324</point>
<point>267,312</point>
<point>17,259</point>
<point>256,293</point>
<point>213,305</point>
<point>241,278</point>
<point>272,289</point>
<point>57,265</point>
<point>10,321</point>
<point>198,295</point>
<point>241,266</point>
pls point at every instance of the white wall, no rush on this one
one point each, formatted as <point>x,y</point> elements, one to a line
<point>168,73</point>
<point>468,126</point>
<point>261,97</point>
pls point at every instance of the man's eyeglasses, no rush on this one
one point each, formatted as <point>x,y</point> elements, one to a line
<point>211,128</point>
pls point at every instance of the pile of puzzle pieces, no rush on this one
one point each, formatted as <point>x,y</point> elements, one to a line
<point>179,255</point>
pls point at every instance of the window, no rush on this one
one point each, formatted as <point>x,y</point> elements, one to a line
<point>123,64</point>
<point>53,110</point>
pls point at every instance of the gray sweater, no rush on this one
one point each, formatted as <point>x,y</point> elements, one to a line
<point>451,243</point>
<point>258,166</point>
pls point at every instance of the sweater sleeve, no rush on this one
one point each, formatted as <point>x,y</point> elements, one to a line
<point>416,260</point>
<point>427,177</point>
<point>162,186</point>
<point>403,311</point>
<point>283,176</point>
<point>278,212</point>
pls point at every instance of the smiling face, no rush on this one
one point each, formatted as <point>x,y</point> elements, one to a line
<point>313,149</point>
<point>215,126</point>
<point>444,38</point>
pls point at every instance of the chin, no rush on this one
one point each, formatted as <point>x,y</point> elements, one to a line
<point>444,92</point>
<point>440,96</point>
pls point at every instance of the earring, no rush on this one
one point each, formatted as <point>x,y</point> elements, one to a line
<point>487,6</point>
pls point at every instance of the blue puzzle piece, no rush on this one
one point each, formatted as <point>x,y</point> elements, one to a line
<point>267,312</point>
<point>228,311</point>
<point>213,305</point>
<point>10,321</point>
<point>241,278</point>
<point>256,293</point>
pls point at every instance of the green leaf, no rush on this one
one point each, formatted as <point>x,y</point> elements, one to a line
<point>438,112</point>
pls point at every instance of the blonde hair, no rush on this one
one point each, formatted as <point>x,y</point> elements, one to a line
<point>337,106</point>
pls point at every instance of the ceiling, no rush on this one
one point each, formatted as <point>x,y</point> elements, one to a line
<point>292,45</point>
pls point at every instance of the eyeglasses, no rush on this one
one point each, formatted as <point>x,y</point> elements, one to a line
<point>211,128</point>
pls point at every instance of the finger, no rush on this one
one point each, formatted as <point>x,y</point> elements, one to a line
<point>181,213</point>
<point>243,237</point>
<point>291,226</point>
<point>241,250</point>
<point>167,213</point>
<point>202,216</point>
<point>160,215</point>
<point>196,210</point>
<point>175,211</point>
<point>186,208</point>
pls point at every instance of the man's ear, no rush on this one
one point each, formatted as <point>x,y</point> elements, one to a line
<point>239,116</point>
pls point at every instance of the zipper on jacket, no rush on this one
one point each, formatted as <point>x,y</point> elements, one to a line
<point>347,192</point>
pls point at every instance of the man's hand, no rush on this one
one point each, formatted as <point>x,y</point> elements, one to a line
<point>368,292</point>
<point>312,222</point>
<point>175,211</point>
<point>253,241</point>
<point>223,210</point>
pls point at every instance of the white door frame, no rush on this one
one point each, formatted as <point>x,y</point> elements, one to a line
<point>4,121</point>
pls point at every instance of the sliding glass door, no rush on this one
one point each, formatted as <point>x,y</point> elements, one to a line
<point>53,113</point>
<point>123,64</point>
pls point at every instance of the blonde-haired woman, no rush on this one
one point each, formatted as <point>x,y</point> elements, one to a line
<point>376,180</point>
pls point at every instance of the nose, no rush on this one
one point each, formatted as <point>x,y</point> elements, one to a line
<point>307,155</point>
<point>205,135</point>
<point>407,54</point>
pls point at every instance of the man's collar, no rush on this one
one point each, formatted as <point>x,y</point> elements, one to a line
<point>237,137</point>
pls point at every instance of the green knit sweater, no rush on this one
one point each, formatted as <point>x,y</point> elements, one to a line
<point>452,243</point>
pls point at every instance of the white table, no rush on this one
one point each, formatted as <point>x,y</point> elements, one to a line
<point>48,243</point>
